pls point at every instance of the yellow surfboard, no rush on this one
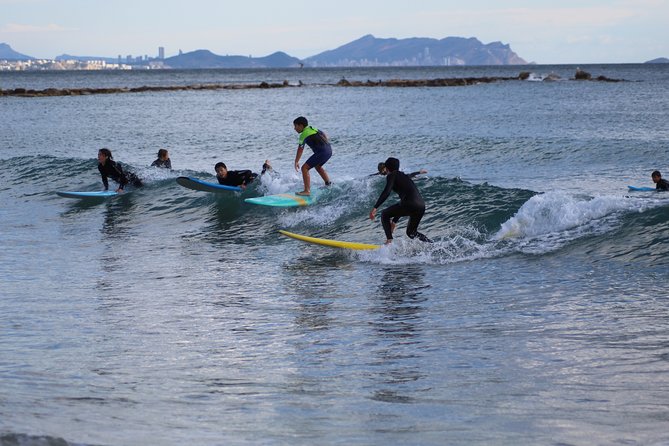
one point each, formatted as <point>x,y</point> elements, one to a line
<point>332,243</point>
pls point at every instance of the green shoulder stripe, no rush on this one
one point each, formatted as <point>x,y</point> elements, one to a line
<point>307,132</point>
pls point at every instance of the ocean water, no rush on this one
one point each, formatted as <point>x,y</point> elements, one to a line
<point>540,315</point>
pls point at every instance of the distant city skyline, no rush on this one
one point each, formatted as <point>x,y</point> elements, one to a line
<point>586,31</point>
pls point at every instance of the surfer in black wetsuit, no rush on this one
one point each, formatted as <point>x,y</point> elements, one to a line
<point>239,178</point>
<point>411,202</point>
<point>382,171</point>
<point>111,169</point>
<point>660,184</point>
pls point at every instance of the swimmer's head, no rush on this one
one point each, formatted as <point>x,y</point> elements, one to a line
<point>392,164</point>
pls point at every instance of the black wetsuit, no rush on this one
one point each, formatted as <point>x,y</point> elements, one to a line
<point>113,170</point>
<point>167,164</point>
<point>411,204</point>
<point>237,178</point>
<point>662,184</point>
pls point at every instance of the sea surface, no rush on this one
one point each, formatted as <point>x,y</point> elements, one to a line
<point>166,316</point>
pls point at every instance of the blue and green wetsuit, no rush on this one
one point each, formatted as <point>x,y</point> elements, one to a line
<point>318,142</point>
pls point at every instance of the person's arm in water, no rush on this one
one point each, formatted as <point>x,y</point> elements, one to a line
<point>415,174</point>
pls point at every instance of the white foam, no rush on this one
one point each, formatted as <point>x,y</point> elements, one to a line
<point>555,212</point>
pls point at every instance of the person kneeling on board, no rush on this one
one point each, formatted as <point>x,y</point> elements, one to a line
<point>411,202</point>
<point>239,178</point>
<point>111,169</point>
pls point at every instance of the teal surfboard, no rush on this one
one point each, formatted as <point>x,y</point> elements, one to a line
<point>88,194</point>
<point>640,188</point>
<point>204,186</point>
<point>287,200</point>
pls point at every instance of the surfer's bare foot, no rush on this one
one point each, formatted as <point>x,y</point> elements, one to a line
<point>388,242</point>
<point>303,193</point>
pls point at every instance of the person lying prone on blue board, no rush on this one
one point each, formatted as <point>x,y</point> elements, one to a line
<point>239,178</point>
<point>660,183</point>
<point>111,169</point>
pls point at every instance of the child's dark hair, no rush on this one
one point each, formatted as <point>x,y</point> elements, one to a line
<point>162,152</point>
<point>301,120</point>
<point>106,152</point>
<point>220,165</point>
<point>392,164</point>
<point>381,166</point>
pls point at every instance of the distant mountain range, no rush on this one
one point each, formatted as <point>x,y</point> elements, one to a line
<point>207,59</point>
<point>7,53</point>
<point>416,51</point>
<point>366,51</point>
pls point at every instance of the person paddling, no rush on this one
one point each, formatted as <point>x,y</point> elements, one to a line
<point>111,169</point>
<point>240,178</point>
<point>660,183</point>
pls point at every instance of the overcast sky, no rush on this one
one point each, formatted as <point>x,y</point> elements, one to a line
<point>545,32</point>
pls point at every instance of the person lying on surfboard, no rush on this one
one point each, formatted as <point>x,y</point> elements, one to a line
<point>319,143</point>
<point>411,202</point>
<point>111,169</point>
<point>238,177</point>
<point>660,184</point>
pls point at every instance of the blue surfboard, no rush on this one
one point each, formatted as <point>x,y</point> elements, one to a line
<point>640,189</point>
<point>88,194</point>
<point>204,186</point>
<point>287,200</point>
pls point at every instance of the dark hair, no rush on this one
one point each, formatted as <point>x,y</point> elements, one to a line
<point>106,152</point>
<point>392,164</point>
<point>656,173</point>
<point>220,165</point>
<point>162,152</point>
<point>301,120</point>
<point>381,166</point>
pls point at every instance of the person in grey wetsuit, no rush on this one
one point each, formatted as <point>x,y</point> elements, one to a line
<point>411,202</point>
